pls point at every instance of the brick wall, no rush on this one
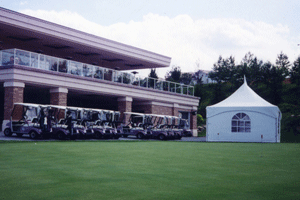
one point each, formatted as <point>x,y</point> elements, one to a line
<point>124,106</point>
<point>162,110</point>
<point>12,95</point>
<point>58,98</point>
<point>193,121</point>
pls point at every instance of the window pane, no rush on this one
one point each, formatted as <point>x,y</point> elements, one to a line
<point>63,66</point>
<point>87,70</point>
<point>234,129</point>
<point>241,123</point>
<point>235,117</point>
<point>246,117</point>
<point>247,129</point>
<point>234,123</point>
<point>98,73</point>
<point>243,115</point>
<point>247,123</point>
<point>241,129</point>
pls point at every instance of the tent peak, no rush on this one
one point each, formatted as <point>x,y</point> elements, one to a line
<point>245,81</point>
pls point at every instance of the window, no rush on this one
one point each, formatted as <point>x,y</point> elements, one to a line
<point>241,123</point>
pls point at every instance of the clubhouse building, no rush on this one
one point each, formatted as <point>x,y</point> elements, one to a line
<point>46,63</point>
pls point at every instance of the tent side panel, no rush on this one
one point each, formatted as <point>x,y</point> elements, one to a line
<point>263,128</point>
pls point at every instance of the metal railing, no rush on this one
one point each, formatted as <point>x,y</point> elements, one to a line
<point>50,63</point>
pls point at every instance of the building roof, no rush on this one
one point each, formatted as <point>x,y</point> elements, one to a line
<point>29,33</point>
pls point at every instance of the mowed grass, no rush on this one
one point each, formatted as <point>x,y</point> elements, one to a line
<point>149,170</point>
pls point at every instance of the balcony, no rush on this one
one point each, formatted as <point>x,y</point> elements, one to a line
<point>12,57</point>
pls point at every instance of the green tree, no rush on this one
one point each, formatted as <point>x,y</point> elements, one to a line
<point>283,63</point>
<point>153,73</point>
<point>251,68</point>
<point>152,76</point>
<point>273,76</point>
<point>186,78</point>
<point>295,72</point>
<point>174,74</point>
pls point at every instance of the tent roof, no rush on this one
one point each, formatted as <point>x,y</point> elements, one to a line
<point>244,97</point>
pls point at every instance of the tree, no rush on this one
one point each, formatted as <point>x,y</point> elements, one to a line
<point>152,76</point>
<point>283,63</point>
<point>251,68</point>
<point>153,73</point>
<point>186,78</point>
<point>273,76</point>
<point>223,70</point>
<point>295,72</point>
<point>174,74</point>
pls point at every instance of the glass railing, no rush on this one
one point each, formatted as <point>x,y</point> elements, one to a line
<point>49,63</point>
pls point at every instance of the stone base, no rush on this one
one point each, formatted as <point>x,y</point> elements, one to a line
<point>195,132</point>
<point>5,124</point>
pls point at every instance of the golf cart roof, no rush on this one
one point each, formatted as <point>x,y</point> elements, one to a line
<point>56,106</point>
<point>134,113</point>
<point>28,104</point>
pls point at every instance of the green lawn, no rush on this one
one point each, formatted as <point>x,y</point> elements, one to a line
<point>148,170</point>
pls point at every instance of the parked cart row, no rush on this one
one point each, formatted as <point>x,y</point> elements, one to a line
<point>161,127</point>
<point>63,122</point>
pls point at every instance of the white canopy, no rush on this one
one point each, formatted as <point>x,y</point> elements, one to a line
<point>242,100</point>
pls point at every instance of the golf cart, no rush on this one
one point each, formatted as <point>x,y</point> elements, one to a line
<point>100,122</point>
<point>174,126</point>
<point>66,122</point>
<point>109,125</point>
<point>159,128</point>
<point>27,119</point>
<point>184,127</point>
<point>136,126</point>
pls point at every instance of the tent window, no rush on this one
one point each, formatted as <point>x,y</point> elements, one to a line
<point>241,123</point>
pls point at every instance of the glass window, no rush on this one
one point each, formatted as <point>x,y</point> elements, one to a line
<point>22,58</point>
<point>98,73</point>
<point>75,68</point>
<point>34,60</point>
<point>8,57</point>
<point>107,74</point>
<point>63,66</point>
<point>87,70</point>
<point>240,123</point>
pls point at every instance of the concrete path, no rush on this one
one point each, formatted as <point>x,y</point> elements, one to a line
<point>26,138</point>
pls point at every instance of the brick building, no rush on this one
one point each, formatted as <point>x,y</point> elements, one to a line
<point>46,63</point>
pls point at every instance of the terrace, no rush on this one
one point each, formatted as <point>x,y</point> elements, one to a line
<point>10,57</point>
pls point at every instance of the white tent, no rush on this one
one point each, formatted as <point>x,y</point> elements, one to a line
<point>243,117</point>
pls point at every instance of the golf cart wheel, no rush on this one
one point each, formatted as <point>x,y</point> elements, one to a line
<point>140,136</point>
<point>125,136</point>
<point>61,136</point>
<point>33,135</point>
<point>116,137</point>
<point>7,132</point>
<point>161,137</point>
<point>98,135</point>
<point>19,134</point>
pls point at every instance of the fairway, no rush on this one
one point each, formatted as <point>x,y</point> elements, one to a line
<point>148,170</point>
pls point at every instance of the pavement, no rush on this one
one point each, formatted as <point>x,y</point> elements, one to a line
<point>27,138</point>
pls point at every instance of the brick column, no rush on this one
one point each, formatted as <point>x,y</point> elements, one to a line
<point>175,109</point>
<point>125,105</point>
<point>58,96</point>
<point>194,122</point>
<point>13,93</point>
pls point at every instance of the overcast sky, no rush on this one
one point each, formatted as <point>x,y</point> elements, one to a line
<point>191,32</point>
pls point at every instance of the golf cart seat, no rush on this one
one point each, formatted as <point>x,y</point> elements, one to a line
<point>35,120</point>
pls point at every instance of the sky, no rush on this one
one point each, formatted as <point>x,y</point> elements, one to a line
<point>194,33</point>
